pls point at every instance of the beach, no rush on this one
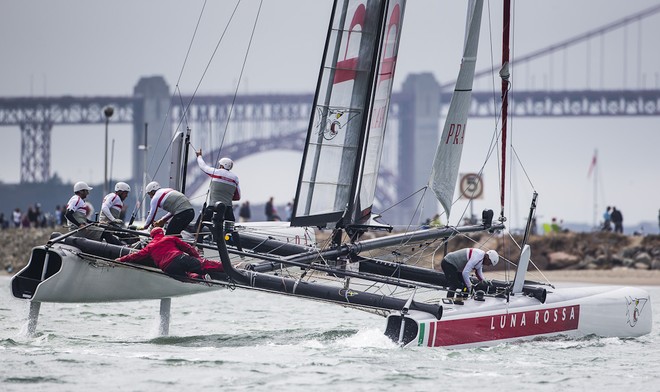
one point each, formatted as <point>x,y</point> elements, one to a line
<point>614,276</point>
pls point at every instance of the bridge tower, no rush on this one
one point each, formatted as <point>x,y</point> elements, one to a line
<point>419,131</point>
<point>154,112</point>
<point>35,150</point>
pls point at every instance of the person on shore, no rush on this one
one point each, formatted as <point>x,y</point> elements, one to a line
<point>436,222</point>
<point>244,213</point>
<point>224,185</point>
<point>458,265</point>
<point>113,203</point>
<point>174,257</point>
<point>270,211</point>
<point>607,219</point>
<point>617,219</point>
<point>177,205</point>
<point>16,217</point>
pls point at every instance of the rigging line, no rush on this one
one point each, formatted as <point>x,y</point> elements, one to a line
<point>240,78</point>
<point>186,108</point>
<point>176,89</point>
<point>208,64</point>
<point>192,39</point>
<point>185,60</point>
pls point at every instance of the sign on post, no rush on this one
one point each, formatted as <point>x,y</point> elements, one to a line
<point>471,186</point>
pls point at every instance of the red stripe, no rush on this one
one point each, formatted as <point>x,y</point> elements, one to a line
<point>431,334</point>
<point>161,199</point>
<point>222,178</point>
<point>469,253</point>
<point>506,326</point>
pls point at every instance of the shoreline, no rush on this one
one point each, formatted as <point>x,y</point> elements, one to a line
<point>615,276</point>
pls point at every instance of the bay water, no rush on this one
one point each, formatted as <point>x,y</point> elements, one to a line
<point>246,340</point>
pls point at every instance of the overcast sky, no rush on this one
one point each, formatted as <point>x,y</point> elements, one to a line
<point>85,48</point>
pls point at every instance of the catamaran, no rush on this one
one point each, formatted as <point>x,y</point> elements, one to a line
<point>335,192</point>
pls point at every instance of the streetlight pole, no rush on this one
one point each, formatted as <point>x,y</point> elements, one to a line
<point>108,111</point>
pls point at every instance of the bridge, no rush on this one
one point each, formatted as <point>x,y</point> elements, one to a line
<point>249,124</point>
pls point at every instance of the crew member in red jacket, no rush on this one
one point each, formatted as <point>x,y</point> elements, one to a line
<point>175,257</point>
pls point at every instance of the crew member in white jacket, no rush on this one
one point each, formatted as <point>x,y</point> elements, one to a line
<point>458,265</point>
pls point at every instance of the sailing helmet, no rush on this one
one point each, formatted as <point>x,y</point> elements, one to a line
<point>152,186</point>
<point>493,256</point>
<point>81,186</point>
<point>226,163</point>
<point>157,232</point>
<point>122,186</point>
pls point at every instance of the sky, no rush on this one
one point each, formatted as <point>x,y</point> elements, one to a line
<point>84,48</point>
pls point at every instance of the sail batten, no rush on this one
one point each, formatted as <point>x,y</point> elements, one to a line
<point>444,173</point>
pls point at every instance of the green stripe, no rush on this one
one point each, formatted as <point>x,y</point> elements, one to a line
<point>420,339</point>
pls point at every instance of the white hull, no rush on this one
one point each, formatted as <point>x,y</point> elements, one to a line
<point>574,312</point>
<point>61,275</point>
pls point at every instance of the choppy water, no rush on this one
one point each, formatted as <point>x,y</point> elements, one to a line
<point>240,340</point>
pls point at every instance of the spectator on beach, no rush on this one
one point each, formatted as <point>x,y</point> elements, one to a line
<point>58,215</point>
<point>244,212</point>
<point>271,212</point>
<point>436,222</point>
<point>458,265</point>
<point>16,217</point>
<point>607,219</point>
<point>177,205</point>
<point>224,185</point>
<point>175,257</point>
<point>617,219</point>
<point>33,216</point>
<point>113,203</point>
<point>288,210</point>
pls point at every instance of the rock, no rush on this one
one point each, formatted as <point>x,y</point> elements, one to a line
<point>560,260</point>
<point>641,266</point>
<point>643,257</point>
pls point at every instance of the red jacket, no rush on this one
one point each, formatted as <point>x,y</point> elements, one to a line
<point>162,249</point>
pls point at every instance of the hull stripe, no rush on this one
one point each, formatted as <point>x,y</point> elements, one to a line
<point>504,326</point>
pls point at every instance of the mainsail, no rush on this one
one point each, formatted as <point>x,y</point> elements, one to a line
<point>346,131</point>
<point>448,155</point>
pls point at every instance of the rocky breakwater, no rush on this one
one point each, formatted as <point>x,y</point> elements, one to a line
<point>17,244</point>
<point>586,251</point>
<point>594,251</point>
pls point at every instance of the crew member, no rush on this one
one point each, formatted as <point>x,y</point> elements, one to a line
<point>77,210</point>
<point>113,203</point>
<point>458,265</point>
<point>177,205</point>
<point>224,185</point>
<point>175,257</point>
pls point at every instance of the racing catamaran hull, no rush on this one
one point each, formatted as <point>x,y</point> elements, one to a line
<point>604,311</point>
<point>62,273</point>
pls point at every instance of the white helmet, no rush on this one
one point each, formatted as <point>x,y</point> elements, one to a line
<point>122,186</point>
<point>493,256</point>
<point>226,163</point>
<point>81,186</point>
<point>152,186</point>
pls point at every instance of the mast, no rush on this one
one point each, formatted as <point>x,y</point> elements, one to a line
<point>504,74</point>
